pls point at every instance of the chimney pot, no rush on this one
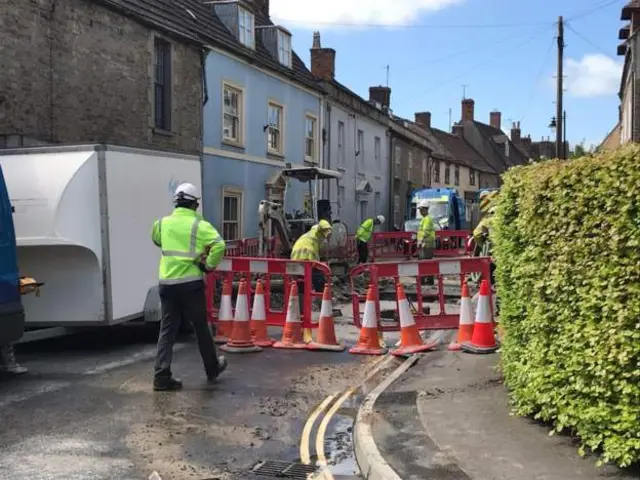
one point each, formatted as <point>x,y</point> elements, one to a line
<point>468,106</point>
<point>423,119</point>
<point>516,134</point>
<point>323,60</point>
<point>495,120</point>
<point>380,94</point>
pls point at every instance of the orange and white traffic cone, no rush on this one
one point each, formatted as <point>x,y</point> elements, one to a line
<point>240,340</point>
<point>259,335</point>
<point>410,340</point>
<point>326,328</point>
<point>465,329</point>
<point>483,339</point>
<point>225,314</point>
<point>368,343</point>
<point>292,332</point>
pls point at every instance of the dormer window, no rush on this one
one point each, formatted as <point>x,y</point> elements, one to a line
<point>246,23</point>
<point>284,48</point>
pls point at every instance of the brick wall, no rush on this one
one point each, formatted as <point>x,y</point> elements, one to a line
<point>77,72</point>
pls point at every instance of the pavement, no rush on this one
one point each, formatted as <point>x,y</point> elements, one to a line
<point>447,418</point>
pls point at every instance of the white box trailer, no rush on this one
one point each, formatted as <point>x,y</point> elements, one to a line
<point>83,218</point>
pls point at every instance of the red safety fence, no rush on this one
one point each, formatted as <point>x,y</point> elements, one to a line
<point>270,271</point>
<point>458,268</point>
<point>234,248</point>
<point>403,245</point>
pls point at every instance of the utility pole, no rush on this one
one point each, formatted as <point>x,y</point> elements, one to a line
<point>559,93</point>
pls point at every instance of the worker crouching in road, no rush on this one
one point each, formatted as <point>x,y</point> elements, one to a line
<point>363,236</point>
<point>426,236</point>
<point>307,247</point>
<point>190,247</point>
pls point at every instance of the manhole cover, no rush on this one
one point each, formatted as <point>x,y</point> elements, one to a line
<point>272,468</point>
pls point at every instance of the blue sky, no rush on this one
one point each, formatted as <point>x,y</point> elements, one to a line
<point>503,50</point>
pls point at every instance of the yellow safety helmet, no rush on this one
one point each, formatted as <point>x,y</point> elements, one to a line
<point>324,226</point>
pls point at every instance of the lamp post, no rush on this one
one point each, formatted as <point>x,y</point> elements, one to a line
<point>561,148</point>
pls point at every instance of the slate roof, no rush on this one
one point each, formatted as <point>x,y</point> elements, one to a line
<point>461,150</point>
<point>196,22</point>
<point>515,156</point>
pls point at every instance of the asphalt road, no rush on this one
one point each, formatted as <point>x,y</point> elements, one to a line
<point>86,410</point>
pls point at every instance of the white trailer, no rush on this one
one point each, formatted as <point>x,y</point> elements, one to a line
<point>83,217</point>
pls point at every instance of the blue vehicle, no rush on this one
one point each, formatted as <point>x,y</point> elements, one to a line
<point>446,208</point>
<point>11,310</point>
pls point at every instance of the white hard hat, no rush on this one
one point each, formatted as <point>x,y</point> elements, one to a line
<point>423,204</point>
<point>380,218</point>
<point>186,191</point>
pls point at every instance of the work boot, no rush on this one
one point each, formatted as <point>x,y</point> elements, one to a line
<point>8,362</point>
<point>222,366</point>
<point>164,384</point>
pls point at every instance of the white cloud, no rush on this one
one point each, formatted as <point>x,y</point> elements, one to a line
<point>593,76</point>
<point>310,14</point>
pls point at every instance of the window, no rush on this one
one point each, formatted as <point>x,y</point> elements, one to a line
<point>162,84</point>
<point>360,150</point>
<point>376,203</point>
<point>456,175</point>
<point>308,205</point>
<point>397,158</point>
<point>275,121</point>
<point>436,171</point>
<point>363,211</point>
<point>376,150</point>
<point>284,48</point>
<point>310,138</point>
<point>341,143</point>
<point>245,27</point>
<point>447,174</point>
<point>341,196</point>
<point>410,162</point>
<point>472,176</point>
<point>425,171</point>
<point>231,214</point>
<point>232,114</point>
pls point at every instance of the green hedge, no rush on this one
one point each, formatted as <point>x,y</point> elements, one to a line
<point>567,247</point>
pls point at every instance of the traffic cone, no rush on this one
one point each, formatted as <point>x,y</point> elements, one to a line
<point>326,328</point>
<point>240,340</point>
<point>259,335</point>
<point>292,332</point>
<point>410,339</point>
<point>225,314</point>
<point>483,339</point>
<point>368,343</point>
<point>465,329</point>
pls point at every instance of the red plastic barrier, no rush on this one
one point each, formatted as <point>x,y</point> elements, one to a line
<point>234,248</point>
<point>265,269</point>
<point>451,243</point>
<point>403,245</point>
<point>439,268</point>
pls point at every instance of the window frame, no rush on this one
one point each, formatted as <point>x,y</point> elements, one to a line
<point>436,171</point>
<point>238,193</point>
<point>456,175</point>
<point>425,170</point>
<point>279,128</point>
<point>239,142</point>
<point>243,13</point>
<point>284,47</point>
<point>377,150</point>
<point>341,143</point>
<point>314,139</point>
<point>162,86</point>
<point>472,177</point>
<point>447,173</point>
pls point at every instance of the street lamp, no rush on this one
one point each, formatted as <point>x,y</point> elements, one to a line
<point>561,150</point>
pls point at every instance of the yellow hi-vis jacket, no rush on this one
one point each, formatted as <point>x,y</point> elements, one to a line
<point>427,232</point>
<point>483,226</point>
<point>184,237</point>
<point>365,231</point>
<point>307,247</point>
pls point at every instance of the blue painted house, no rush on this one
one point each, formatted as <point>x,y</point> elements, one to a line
<point>263,112</point>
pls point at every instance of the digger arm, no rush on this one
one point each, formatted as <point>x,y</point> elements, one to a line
<point>269,211</point>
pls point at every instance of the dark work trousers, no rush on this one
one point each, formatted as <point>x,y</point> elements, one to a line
<point>184,302</point>
<point>363,251</point>
<point>426,253</point>
<point>317,281</point>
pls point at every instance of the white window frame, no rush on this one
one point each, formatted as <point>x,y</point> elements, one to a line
<point>240,116</point>
<point>232,192</point>
<point>279,128</point>
<point>284,47</point>
<point>314,150</point>
<point>472,177</point>
<point>341,143</point>
<point>246,33</point>
<point>377,149</point>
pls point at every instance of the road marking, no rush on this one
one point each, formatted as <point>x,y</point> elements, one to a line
<point>322,460</point>
<point>146,354</point>
<point>305,456</point>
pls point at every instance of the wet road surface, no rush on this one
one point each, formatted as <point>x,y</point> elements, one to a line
<point>86,410</point>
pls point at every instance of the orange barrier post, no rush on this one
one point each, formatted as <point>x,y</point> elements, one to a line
<point>465,329</point>
<point>410,340</point>
<point>292,332</point>
<point>259,335</point>
<point>368,343</point>
<point>225,316</point>
<point>326,328</point>
<point>483,339</point>
<point>240,340</point>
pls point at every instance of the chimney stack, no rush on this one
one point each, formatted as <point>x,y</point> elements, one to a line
<point>458,129</point>
<point>516,133</point>
<point>423,119</point>
<point>323,60</point>
<point>526,141</point>
<point>380,94</point>
<point>468,106</point>
<point>495,120</point>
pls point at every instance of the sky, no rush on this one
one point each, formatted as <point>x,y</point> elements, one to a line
<point>501,53</point>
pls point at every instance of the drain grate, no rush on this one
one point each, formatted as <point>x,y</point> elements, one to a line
<point>273,468</point>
